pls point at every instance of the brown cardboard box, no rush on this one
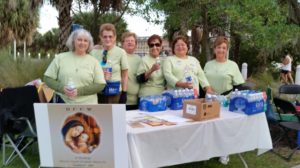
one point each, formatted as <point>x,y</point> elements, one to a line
<point>200,110</point>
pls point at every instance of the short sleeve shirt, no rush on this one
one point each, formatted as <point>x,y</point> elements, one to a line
<point>175,67</point>
<point>133,85</point>
<point>83,70</point>
<point>117,57</point>
<point>156,82</point>
<point>223,76</point>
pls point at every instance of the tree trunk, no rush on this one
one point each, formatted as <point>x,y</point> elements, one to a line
<point>205,38</point>
<point>64,22</point>
<point>196,38</point>
<point>96,28</point>
<point>236,49</point>
<point>294,11</point>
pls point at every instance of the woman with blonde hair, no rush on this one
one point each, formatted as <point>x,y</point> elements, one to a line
<point>115,57</point>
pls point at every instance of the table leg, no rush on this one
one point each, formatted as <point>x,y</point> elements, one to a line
<point>243,160</point>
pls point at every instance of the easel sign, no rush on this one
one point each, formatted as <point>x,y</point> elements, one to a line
<point>81,136</point>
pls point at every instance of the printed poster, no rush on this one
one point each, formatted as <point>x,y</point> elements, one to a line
<point>85,136</point>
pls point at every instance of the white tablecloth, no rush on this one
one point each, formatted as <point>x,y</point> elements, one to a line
<point>195,141</point>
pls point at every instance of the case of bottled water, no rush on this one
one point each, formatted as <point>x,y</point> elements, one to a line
<point>175,98</point>
<point>247,101</point>
<point>153,103</point>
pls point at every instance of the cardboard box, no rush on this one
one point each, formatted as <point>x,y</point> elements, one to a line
<point>200,110</point>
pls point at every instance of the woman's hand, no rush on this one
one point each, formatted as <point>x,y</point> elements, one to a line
<point>209,90</point>
<point>155,67</point>
<point>188,85</point>
<point>70,93</point>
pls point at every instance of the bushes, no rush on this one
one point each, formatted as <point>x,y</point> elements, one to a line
<point>19,72</point>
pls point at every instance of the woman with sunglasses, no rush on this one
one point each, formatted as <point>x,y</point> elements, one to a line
<point>76,67</point>
<point>114,57</point>
<point>222,74</point>
<point>183,71</point>
<point>149,72</point>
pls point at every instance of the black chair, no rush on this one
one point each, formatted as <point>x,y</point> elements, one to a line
<point>17,121</point>
<point>289,89</point>
<point>286,107</point>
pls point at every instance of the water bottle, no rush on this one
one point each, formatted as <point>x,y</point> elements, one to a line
<point>108,70</point>
<point>157,60</point>
<point>70,84</point>
<point>208,98</point>
<point>187,76</point>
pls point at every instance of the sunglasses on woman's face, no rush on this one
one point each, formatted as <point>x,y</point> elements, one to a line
<point>104,59</point>
<point>154,44</point>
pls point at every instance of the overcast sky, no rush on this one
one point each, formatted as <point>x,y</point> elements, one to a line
<point>138,25</point>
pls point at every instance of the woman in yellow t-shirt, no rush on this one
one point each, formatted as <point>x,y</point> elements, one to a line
<point>75,75</point>
<point>129,43</point>
<point>222,74</point>
<point>149,72</point>
<point>180,67</point>
<point>115,57</point>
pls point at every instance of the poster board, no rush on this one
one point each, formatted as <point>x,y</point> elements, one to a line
<point>85,136</point>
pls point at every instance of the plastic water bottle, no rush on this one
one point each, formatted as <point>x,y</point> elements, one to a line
<point>108,70</point>
<point>157,60</point>
<point>208,98</point>
<point>70,84</point>
<point>187,76</point>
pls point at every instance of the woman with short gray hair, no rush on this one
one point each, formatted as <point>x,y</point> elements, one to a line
<point>75,75</point>
<point>74,35</point>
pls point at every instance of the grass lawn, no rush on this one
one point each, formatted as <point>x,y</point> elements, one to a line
<point>267,160</point>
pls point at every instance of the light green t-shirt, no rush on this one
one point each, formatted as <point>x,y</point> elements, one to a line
<point>117,58</point>
<point>83,70</point>
<point>174,71</point>
<point>222,76</point>
<point>156,82</point>
<point>133,85</point>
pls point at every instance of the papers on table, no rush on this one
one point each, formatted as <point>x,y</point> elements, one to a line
<point>172,118</point>
<point>155,120</point>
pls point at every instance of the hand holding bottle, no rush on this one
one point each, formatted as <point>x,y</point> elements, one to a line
<point>155,67</point>
<point>70,89</point>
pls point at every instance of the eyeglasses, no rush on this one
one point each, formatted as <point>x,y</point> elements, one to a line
<point>104,58</point>
<point>154,44</point>
<point>110,37</point>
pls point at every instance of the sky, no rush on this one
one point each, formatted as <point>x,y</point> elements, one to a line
<point>138,25</point>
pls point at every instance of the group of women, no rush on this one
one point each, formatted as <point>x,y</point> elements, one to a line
<point>139,76</point>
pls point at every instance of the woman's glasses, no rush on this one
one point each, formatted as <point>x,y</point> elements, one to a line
<point>154,44</point>
<point>104,59</point>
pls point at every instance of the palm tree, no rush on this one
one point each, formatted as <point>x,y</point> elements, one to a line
<point>64,15</point>
<point>64,21</point>
<point>19,20</point>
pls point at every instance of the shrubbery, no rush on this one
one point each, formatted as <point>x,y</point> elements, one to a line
<point>18,73</point>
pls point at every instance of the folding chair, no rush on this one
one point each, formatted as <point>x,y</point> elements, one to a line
<point>18,115</point>
<point>289,89</point>
<point>286,107</point>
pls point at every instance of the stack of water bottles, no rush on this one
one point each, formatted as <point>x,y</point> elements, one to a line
<point>220,98</point>
<point>153,103</point>
<point>247,101</point>
<point>175,98</point>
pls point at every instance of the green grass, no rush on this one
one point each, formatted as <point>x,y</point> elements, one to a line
<point>267,160</point>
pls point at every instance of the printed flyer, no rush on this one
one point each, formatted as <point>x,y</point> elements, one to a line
<point>85,136</point>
